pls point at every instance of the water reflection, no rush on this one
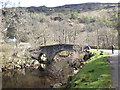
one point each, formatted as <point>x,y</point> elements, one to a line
<point>27,78</point>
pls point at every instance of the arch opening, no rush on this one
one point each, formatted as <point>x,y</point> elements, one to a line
<point>62,54</point>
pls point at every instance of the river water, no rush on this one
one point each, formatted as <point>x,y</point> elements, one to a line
<point>37,78</point>
<point>27,78</point>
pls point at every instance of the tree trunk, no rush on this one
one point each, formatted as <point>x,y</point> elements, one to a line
<point>107,40</point>
<point>74,37</point>
<point>119,39</point>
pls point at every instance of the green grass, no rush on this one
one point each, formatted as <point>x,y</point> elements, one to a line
<point>94,74</point>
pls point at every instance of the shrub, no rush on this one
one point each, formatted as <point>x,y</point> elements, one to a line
<point>86,19</point>
<point>106,22</point>
<point>22,37</point>
<point>73,16</point>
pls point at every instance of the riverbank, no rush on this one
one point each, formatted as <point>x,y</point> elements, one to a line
<point>19,67</point>
<point>94,74</point>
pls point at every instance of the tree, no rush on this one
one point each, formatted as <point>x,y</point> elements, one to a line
<point>10,19</point>
<point>118,25</point>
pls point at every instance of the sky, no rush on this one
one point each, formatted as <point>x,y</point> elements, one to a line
<point>53,3</point>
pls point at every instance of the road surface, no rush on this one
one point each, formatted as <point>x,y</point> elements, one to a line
<point>115,64</point>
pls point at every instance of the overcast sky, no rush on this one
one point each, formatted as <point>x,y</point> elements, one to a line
<point>53,3</point>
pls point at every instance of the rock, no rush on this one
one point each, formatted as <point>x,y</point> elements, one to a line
<point>73,62</point>
<point>10,67</point>
<point>43,57</point>
<point>18,66</point>
<point>36,67</point>
<point>57,19</point>
<point>36,62</point>
<point>57,85</point>
<point>101,52</point>
<point>88,55</point>
<point>19,62</point>
<point>70,77</point>
<point>32,61</point>
<point>43,66</point>
<point>75,71</point>
<point>0,69</point>
<point>23,62</point>
<point>27,65</point>
<point>81,67</point>
<point>22,71</point>
<point>24,45</point>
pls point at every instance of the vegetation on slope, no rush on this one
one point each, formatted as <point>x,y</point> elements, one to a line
<point>94,74</point>
<point>93,27</point>
<point>72,8</point>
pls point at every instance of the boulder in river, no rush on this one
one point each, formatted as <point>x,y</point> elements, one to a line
<point>57,85</point>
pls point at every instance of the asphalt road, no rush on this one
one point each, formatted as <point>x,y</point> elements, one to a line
<point>115,64</point>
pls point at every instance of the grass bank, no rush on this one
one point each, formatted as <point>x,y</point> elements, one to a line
<point>94,74</point>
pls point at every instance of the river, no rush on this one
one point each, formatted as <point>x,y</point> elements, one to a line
<point>37,78</point>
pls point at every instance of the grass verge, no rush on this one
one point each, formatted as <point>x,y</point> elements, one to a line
<point>94,74</point>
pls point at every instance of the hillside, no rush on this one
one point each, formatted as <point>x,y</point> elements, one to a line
<point>87,24</point>
<point>73,8</point>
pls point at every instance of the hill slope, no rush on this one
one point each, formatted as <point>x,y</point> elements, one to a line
<point>89,23</point>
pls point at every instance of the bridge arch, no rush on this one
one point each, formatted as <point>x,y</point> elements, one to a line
<point>50,51</point>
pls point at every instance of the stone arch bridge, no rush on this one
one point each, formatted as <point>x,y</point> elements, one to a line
<point>51,50</point>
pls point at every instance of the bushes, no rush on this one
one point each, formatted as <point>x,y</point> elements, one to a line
<point>73,16</point>
<point>106,22</point>
<point>22,37</point>
<point>5,48</point>
<point>86,19</point>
